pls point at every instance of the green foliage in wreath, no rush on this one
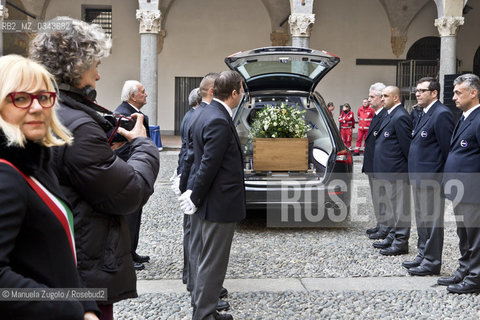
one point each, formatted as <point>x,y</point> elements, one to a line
<point>279,122</point>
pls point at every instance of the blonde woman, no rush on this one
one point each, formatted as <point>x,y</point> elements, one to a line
<point>37,248</point>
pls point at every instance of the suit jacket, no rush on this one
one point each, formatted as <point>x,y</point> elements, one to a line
<point>370,142</point>
<point>463,161</point>
<point>127,110</point>
<point>218,189</point>
<point>430,144</point>
<point>392,145</point>
<point>184,129</point>
<point>186,180</point>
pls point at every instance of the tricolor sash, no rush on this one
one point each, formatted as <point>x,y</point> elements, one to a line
<point>60,210</point>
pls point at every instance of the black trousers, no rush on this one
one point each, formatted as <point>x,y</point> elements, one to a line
<point>133,222</point>
<point>468,230</point>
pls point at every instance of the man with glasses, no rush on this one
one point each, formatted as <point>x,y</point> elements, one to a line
<point>426,158</point>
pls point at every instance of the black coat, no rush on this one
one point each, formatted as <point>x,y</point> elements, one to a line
<point>462,167</point>
<point>34,248</point>
<point>103,189</point>
<point>392,145</point>
<point>186,160</point>
<point>218,187</point>
<point>184,129</point>
<point>369,153</point>
<point>430,144</point>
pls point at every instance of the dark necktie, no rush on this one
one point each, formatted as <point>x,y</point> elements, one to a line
<point>420,114</point>
<point>459,124</point>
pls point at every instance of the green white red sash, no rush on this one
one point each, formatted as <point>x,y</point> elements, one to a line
<point>59,209</point>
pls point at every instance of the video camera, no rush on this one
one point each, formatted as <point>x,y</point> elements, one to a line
<point>118,120</point>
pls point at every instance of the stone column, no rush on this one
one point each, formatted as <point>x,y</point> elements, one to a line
<point>149,29</point>
<point>447,28</point>
<point>300,28</point>
<point>3,16</point>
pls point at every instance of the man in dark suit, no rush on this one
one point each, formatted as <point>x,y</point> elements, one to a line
<point>184,181</point>
<point>380,231</point>
<point>218,193</point>
<point>461,179</point>
<point>134,98</point>
<point>194,99</point>
<point>391,168</point>
<point>426,158</point>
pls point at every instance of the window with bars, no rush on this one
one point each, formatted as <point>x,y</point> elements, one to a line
<point>101,16</point>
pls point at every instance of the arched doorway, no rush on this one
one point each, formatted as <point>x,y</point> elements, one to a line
<point>476,62</point>
<point>423,59</point>
<point>427,48</point>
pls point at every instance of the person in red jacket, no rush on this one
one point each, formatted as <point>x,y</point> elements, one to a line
<point>365,115</point>
<point>347,123</point>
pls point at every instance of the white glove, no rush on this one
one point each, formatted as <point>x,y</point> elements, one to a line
<point>175,175</point>
<point>186,203</point>
<point>176,185</point>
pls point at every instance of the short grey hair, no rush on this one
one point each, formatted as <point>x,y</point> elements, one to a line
<point>130,87</point>
<point>471,80</point>
<point>377,88</point>
<point>194,97</point>
<point>68,53</point>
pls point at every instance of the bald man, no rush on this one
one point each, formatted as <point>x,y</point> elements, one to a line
<point>391,169</point>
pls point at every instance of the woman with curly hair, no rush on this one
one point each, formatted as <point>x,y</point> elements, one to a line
<point>36,243</point>
<point>102,187</point>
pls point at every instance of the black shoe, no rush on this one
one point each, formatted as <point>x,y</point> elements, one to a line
<point>383,244</point>
<point>379,235</point>
<point>412,264</point>
<point>372,230</point>
<point>223,293</point>
<point>138,266</point>
<point>222,305</point>
<point>423,271</point>
<point>394,250</point>
<point>450,280</point>
<point>463,287</point>
<point>140,259</point>
<point>222,316</point>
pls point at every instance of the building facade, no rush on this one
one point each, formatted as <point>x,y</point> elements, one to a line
<point>189,38</point>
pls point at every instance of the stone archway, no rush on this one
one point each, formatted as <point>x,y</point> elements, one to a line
<point>427,48</point>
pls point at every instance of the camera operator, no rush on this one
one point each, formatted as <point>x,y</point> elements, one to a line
<point>102,188</point>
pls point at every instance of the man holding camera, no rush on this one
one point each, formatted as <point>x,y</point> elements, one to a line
<point>134,98</point>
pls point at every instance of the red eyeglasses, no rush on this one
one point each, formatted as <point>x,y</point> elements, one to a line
<point>24,100</point>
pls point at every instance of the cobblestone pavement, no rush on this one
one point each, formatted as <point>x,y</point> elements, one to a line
<point>265,253</point>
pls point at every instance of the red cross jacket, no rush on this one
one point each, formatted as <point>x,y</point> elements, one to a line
<point>365,116</point>
<point>347,120</point>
